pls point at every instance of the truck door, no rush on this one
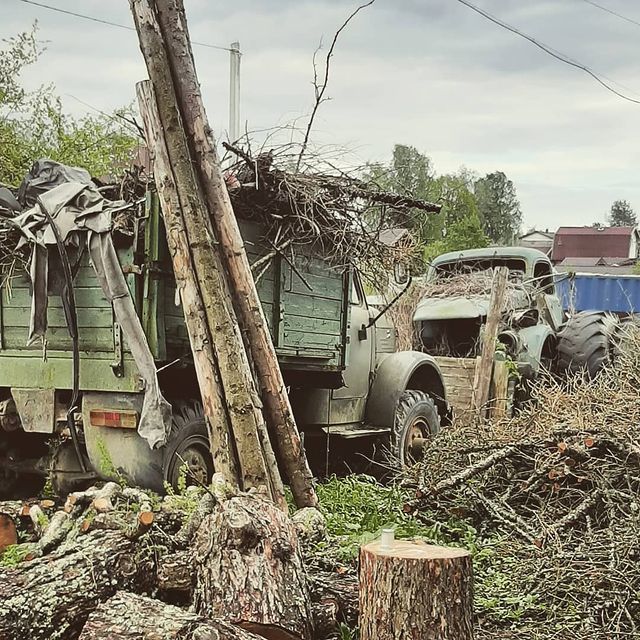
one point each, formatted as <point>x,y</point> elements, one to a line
<point>543,275</point>
<point>348,403</point>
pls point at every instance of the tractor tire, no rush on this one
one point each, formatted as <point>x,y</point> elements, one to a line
<point>188,444</point>
<point>416,422</point>
<point>587,343</point>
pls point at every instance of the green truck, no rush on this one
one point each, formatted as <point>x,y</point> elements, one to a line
<point>336,353</point>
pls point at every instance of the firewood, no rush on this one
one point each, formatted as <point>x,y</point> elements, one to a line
<point>126,616</point>
<point>55,594</point>
<point>8,531</point>
<point>412,589</point>
<point>249,569</point>
<point>176,572</point>
<point>38,519</point>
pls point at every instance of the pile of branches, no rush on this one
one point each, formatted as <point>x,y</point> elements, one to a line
<point>340,215</point>
<point>557,490</point>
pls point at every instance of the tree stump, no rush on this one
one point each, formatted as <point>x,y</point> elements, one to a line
<point>126,616</point>
<point>411,590</point>
<point>249,570</point>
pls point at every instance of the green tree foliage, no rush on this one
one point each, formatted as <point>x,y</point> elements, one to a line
<point>466,233</point>
<point>498,207</point>
<point>33,125</point>
<point>622,214</point>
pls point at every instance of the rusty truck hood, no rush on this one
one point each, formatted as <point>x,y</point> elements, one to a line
<point>455,307</point>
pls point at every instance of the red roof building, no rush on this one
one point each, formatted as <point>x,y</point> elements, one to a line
<point>594,242</point>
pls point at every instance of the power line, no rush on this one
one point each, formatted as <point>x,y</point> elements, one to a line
<point>108,22</point>
<point>547,49</point>
<point>612,12</point>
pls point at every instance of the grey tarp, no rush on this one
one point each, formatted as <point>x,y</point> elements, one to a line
<point>83,219</point>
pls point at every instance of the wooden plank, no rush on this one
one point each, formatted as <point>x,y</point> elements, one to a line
<point>97,339</point>
<point>86,297</point>
<point>22,369</point>
<point>311,306</point>
<point>87,318</point>
<point>482,381</point>
<point>323,286</point>
<point>312,325</point>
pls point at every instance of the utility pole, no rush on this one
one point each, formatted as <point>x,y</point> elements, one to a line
<point>234,92</point>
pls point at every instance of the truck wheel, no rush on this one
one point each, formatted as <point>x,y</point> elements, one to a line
<point>586,343</point>
<point>188,444</point>
<point>416,422</point>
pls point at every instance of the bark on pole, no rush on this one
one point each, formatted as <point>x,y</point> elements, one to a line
<point>126,616</point>
<point>484,369</point>
<point>204,358</point>
<point>410,589</point>
<point>278,413</point>
<point>249,570</point>
<point>241,398</point>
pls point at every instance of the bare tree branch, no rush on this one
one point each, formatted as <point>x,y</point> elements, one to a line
<point>320,90</point>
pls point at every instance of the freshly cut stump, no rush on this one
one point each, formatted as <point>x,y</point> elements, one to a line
<point>412,590</point>
<point>249,570</point>
<point>127,616</point>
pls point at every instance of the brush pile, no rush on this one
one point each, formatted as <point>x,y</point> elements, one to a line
<point>340,215</point>
<point>557,490</point>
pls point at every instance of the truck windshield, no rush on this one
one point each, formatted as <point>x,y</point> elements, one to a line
<point>516,266</point>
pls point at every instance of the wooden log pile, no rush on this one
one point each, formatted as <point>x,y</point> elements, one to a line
<point>111,561</point>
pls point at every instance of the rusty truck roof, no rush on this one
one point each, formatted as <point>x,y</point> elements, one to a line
<point>526,253</point>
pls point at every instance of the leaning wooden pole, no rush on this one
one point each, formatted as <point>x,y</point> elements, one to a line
<point>484,370</point>
<point>277,409</point>
<point>255,457</point>
<point>204,358</point>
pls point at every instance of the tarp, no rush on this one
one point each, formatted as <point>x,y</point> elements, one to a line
<point>83,219</point>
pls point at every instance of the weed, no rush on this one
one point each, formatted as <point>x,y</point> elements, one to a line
<point>106,466</point>
<point>13,555</point>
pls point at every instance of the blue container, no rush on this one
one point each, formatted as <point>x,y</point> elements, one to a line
<point>599,292</point>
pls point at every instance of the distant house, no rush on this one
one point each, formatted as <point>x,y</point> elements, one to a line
<point>541,240</point>
<point>398,238</point>
<point>596,249</point>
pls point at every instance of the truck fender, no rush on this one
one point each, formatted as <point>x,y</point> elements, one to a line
<point>397,373</point>
<point>536,341</point>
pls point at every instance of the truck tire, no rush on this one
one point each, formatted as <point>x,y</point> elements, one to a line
<point>416,422</point>
<point>586,343</point>
<point>188,444</point>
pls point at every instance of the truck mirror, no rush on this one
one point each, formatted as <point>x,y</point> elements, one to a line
<point>362,332</point>
<point>400,274</point>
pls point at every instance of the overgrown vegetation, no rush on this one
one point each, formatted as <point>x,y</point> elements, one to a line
<point>33,123</point>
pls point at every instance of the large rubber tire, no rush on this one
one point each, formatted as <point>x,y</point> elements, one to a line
<point>416,420</point>
<point>188,443</point>
<point>586,343</point>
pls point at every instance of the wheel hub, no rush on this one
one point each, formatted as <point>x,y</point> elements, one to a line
<point>416,441</point>
<point>198,469</point>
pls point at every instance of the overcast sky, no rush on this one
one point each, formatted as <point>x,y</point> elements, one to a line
<point>431,73</point>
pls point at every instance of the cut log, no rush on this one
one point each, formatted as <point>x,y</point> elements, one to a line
<point>55,594</point>
<point>335,600</point>
<point>249,570</point>
<point>176,572</point>
<point>247,305</point>
<point>127,616</point>
<point>8,531</point>
<point>409,589</point>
